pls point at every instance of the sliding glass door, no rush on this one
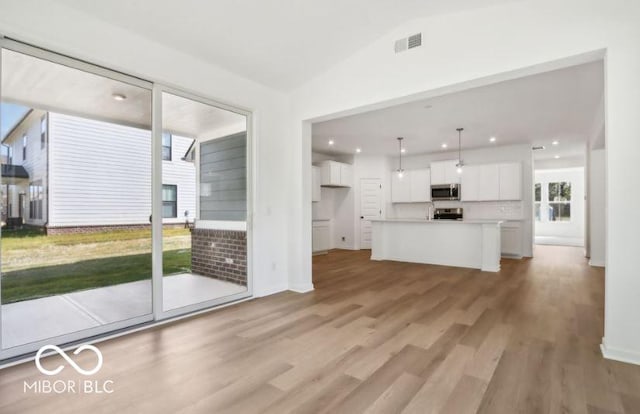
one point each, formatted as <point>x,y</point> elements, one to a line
<point>204,204</point>
<point>122,202</point>
<point>76,191</point>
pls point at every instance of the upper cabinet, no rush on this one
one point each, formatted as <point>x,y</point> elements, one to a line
<point>315,183</point>
<point>336,174</point>
<point>413,187</point>
<point>444,172</point>
<point>511,181</point>
<point>492,182</point>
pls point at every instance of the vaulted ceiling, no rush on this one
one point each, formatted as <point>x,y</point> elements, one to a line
<point>279,43</point>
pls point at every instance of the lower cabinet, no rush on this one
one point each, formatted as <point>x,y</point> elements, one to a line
<point>320,237</point>
<point>511,239</point>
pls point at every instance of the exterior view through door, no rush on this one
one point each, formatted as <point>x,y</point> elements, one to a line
<point>85,172</point>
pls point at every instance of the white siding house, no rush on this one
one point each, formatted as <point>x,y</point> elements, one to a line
<point>98,173</point>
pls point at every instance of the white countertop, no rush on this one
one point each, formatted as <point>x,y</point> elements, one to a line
<point>421,220</point>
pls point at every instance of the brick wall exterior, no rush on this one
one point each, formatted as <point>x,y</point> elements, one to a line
<point>211,248</point>
<point>99,229</point>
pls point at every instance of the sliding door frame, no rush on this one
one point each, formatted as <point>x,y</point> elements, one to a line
<point>157,314</point>
<point>158,305</point>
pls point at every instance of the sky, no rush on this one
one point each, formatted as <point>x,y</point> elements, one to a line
<point>9,115</point>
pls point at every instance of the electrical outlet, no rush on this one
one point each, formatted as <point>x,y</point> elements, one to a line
<point>228,260</point>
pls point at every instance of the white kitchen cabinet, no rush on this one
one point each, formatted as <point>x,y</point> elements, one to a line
<point>511,239</point>
<point>444,172</point>
<point>470,183</point>
<point>420,183</point>
<point>320,236</point>
<point>346,175</point>
<point>336,174</point>
<point>316,179</point>
<point>510,181</point>
<point>400,187</point>
<point>489,182</point>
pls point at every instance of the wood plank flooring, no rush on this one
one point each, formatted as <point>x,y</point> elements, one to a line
<point>374,337</point>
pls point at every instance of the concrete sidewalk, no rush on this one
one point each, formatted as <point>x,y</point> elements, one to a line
<point>38,319</point>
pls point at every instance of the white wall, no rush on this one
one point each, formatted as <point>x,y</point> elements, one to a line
<point>570,233</point>
<point>597,207</point>
<point>488,45</point>
<point>65,30</point>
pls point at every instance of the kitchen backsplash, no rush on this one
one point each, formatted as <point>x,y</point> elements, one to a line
<point>501,210</point>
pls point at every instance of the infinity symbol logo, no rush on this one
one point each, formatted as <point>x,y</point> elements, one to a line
<point>69,360</point>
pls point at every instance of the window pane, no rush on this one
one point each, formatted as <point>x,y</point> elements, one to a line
<point>166,153</point>
<point>537,211</point>
<point>560,191</point>
<point>560,211</point>
<point>166,139</point>
<point>538,192</point>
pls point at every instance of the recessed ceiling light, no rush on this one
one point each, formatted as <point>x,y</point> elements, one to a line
<point>492,139</point>
<point>444,145</point>
<point>331,142</point>
<point>358,150</point>
<point>555,143</point>
<point>403,150</point>
<point>556,156</point>
<point>119,96</point>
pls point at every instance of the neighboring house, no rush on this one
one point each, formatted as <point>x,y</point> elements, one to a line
<point>68,173</point>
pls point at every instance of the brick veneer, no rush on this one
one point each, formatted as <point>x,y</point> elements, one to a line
<point>50,230</point>
<point>211,248</point>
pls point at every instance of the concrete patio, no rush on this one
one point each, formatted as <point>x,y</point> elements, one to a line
<point>33,320</point>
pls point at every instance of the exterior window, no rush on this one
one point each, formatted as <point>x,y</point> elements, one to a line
<point>537,199</point>
<point>166,146</point>
<point>35,200</point>
<point>43,132</point>
<point>560,201</point>
<point>24,147</point>
<point>169,201</point>
<point>9,155</point>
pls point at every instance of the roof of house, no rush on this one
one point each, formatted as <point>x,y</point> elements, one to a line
<point>14,171</point>
<point>12,130</point>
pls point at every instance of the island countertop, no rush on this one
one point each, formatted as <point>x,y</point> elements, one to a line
<point>425,221</point>
<point>461,243</point>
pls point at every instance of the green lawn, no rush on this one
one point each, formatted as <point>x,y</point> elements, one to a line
<point>43,279</point>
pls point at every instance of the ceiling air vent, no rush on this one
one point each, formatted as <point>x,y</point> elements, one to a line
<point>408,43</point>
<point>538,147</point>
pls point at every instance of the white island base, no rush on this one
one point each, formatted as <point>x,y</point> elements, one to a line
<point>471,244</point>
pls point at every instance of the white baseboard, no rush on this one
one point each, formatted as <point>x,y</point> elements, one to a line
<point>596,263</point>
<point>270,290</point>
<point>301,288</point>
<point>622,355</point>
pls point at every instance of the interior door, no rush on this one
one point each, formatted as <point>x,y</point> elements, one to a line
<point>370,208</point>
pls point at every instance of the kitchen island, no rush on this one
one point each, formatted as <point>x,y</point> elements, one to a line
<point>466,243</point>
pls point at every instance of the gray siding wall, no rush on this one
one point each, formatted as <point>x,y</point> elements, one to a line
<point>223,178</point>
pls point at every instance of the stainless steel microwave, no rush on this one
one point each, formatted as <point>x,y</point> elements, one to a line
<point>445,192</point>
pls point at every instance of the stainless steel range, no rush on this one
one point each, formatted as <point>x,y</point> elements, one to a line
<point>448,214</point>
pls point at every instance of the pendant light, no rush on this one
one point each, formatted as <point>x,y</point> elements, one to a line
<point>460,164</point>
<point>400,170</point>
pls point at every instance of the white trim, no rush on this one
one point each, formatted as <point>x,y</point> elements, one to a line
<point>301,288</point>
<point>596,263</point>
<point>221,225</point>
<point>617,354</point>
<point>157,240</point>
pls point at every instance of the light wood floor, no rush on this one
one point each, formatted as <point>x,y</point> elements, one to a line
<point>375,337</point>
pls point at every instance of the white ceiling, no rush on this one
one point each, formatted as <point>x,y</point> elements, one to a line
<point>559,105</point>
<point>40,84</point>
<point>277,43</point>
